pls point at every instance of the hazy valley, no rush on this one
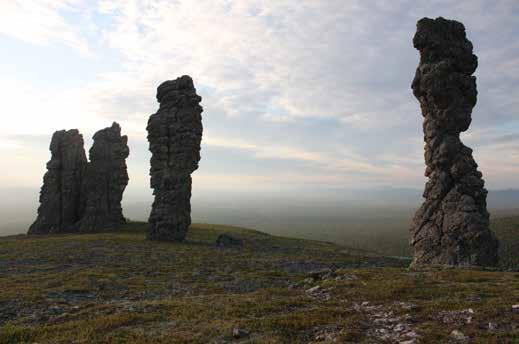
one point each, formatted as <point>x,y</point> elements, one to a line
<point>375,220</point>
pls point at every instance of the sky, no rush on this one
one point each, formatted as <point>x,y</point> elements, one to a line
<point>299,95</point>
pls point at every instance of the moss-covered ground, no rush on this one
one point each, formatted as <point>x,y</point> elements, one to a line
<point>117,287</point>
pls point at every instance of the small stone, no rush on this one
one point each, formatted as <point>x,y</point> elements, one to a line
<point>313,289</point>
<point>411,334</point>
<point>409,341</point>
<point>322,274</point>
<point>515,308</point>
<point>492,326</point>
<point>406,305</point>
<point>399,327</point>
<point>238,333</point>
<point>458,335</point>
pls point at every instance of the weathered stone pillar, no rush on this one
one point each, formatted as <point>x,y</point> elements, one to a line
<point>61,201</point>
<point>106,179</point>
<point>174,134</point>
<point>452,225</point>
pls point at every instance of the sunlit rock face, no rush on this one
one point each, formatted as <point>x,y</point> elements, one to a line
<point>452,225</point>
<point>174,135</point>
<point>105,181</point>
<point>62,203</point>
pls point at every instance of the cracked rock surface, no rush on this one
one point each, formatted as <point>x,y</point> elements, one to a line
<point>105,181</point>
<point>61,201</point>
<point>174,135</point>
<point>452,225</point>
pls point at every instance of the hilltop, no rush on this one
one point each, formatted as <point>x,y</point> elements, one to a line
<point>117,287</point>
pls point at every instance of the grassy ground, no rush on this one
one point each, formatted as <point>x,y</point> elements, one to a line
<point>120,288</point>
<point>507,230</point>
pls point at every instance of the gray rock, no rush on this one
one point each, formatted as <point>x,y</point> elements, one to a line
<point>492,326</point>
<point>323,274</point>
<point>106,179</point>
<point>452,225</point>
<point>458,335</point>
<point>238,333</point>
<point>174,135</point>
<point>410,341</point>
<point>313,289</point>
<point>62,203</point>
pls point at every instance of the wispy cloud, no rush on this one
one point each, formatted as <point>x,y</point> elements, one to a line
<point>320,84</point>
<point>42,22</point>
<point>346,165</point>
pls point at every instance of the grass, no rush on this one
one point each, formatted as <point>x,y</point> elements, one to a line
<point>507,230</point>
<point>117,287</point>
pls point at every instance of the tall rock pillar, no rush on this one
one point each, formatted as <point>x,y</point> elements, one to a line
<point>452,225</point>
<point>174,135</point>
<point>105,181</point>
<point>61,201</point>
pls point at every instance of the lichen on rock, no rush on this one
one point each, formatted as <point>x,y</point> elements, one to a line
<point>452,225</point>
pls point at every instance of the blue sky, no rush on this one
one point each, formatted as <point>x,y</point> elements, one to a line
<point>297,95</point>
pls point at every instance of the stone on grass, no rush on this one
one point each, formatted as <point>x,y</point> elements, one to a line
<point>238,333</point>
<point>458,335</point>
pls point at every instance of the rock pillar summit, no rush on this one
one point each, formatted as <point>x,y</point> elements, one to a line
<point>174,135</point>
<point>452,225</point>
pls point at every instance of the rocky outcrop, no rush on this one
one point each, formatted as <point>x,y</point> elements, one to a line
<point>62,203</point>
<point>106,179</point>
<point>452,225</point>
<point>80,196</point>
<point>174,134</point>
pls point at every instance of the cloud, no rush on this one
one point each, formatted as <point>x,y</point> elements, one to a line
<point>507,138</point>
<point>346,165</point>
<point>42,22</point>
<point>256,57</point>
<point>324,84</point>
